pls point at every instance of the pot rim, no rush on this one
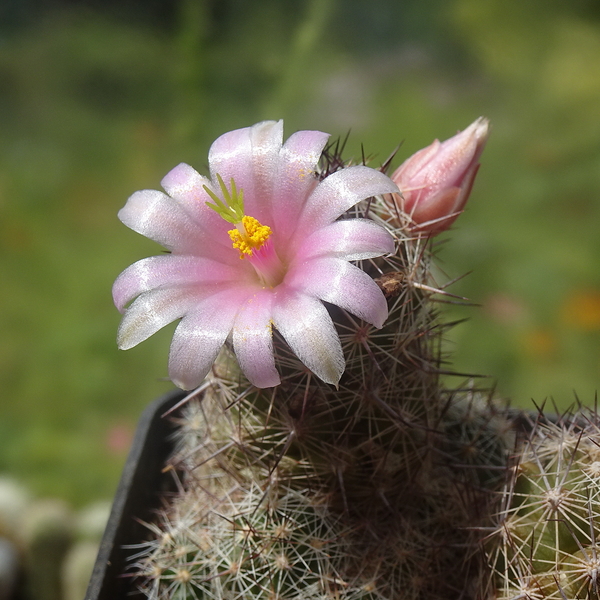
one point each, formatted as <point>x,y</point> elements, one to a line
<point>139,493</point>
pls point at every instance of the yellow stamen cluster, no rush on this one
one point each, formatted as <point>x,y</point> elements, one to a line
<point>253,236</point>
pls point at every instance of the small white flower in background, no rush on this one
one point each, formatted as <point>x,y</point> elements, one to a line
<point>256,246</point>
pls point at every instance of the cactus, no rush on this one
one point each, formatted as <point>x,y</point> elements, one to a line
<point>378,488</point>
<point>544,543</point>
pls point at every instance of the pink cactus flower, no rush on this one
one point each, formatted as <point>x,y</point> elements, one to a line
<point>436,181</point>
<point>258,245</point>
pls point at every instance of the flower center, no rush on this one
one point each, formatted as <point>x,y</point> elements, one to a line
<point>250,237</point>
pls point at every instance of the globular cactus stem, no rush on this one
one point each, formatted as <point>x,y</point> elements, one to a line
<point>545,542</point>
<point>373,490</point>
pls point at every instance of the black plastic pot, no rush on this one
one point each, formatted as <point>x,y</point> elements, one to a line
<point>138,496</point>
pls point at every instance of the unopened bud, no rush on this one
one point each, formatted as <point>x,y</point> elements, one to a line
<point>436,181</point>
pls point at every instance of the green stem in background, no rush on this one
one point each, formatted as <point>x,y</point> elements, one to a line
<point>189,102</point>
<point>308,33</point>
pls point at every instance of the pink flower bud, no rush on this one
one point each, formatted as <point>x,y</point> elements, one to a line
<point>436,181</point>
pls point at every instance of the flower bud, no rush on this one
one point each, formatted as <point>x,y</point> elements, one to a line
<point>437,180</point>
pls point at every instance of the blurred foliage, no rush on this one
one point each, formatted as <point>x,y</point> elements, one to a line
<point>98,99</point>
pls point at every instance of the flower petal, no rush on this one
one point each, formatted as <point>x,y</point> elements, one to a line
<point>337,281</point>
<point>296,178</point>
<point>439,211</point>
<point>200,335</point>
<point>350,239</point>
<point>250,156</point>
<point>307,327</point>
<point>253,340</point>
<point>185,185</point>
<point>417,161</point>
<point>160,218</point>
<point>151,312</point>
<point>169,270</point>
<point>339,192</point>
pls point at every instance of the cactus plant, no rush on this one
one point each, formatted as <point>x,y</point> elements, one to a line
<point>376,487</point>
<point>544,542</point>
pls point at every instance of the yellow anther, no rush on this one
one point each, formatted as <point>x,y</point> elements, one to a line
<point>250,235</point>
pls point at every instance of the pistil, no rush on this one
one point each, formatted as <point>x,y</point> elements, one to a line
<point>249,237</point>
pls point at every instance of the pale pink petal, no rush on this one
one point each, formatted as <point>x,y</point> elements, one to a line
<point>418,160</point>
<point>454,157</point>
<point>250,156</point>
<point>230,156</point>
<point>169,270</point>
<point>337,281</point>
<point>158,217</point>
<point>440,205</point>
<point>296,178</point>
<point>339,192</point>
<point>200,335</point>
<point>253,340</point>
<point>267,139</point>
<point>350,239</point>
<point>151,312</point>
<point>185,185</point>
<point>307,327</point>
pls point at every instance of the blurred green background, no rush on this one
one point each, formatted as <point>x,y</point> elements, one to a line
<point>99,99</point>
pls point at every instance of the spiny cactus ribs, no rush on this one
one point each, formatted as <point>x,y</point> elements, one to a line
<point>376,490</point>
